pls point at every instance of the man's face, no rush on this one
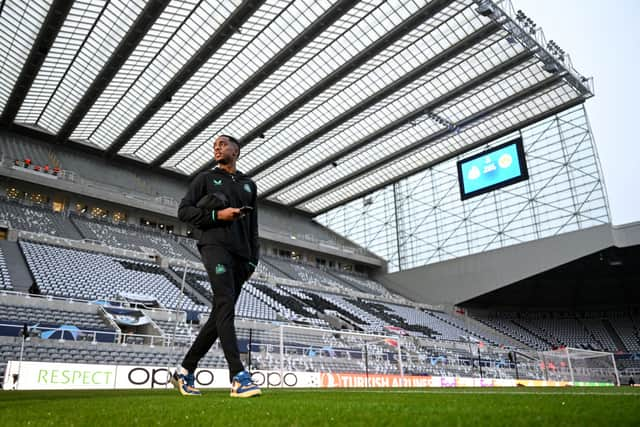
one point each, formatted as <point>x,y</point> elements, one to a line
<point>224,151</point>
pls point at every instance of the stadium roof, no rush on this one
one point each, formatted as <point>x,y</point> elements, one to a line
<point>330,99</point>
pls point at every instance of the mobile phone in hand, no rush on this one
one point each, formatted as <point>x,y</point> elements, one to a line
<point>246,209</point>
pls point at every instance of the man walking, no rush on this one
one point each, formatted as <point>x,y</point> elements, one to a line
<point>221,206</point>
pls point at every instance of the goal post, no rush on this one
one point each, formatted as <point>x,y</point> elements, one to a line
<point>578,366</point>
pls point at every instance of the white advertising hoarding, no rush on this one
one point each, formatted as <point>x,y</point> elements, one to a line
<point>68,376</point>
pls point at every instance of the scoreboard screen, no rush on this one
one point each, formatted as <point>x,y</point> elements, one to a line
<point>492,169</point>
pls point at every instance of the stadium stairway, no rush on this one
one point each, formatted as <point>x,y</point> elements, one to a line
<point>189,290</point>
<point>286,299</point>
<point>191,248</point>
<point>349,285</point>
<point>614,335</point>
<point>21,278</point>
<point>491,332</point>
<point>274,266</point>
<point>76,227</point>
<point>530,331</point>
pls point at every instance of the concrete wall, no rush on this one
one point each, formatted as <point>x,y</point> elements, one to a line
<point>458,280</point>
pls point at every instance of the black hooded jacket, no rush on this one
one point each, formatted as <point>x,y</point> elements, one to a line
<point>240,237</point>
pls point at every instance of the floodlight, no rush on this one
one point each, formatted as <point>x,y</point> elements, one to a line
<point>485,8</point>
<point>550,67</point>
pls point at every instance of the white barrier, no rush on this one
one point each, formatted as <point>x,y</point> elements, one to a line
<point>72,376</point>
<point>76,376</point>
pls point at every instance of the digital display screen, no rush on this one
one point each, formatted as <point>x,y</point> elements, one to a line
<point>492,169</point>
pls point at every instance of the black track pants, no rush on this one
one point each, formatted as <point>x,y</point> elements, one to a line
<point>227,273</point>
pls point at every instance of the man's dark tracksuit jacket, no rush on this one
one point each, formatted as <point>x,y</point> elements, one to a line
<point>239,237</point>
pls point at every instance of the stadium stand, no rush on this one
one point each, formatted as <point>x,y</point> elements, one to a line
<point>102,353</point>
<point>36,219</point>
<point>283,312</point>
<point>184,333</point>
<point>305,273</point>
<point>468,329</point>
<point>248,306</point>
<point>268,270</point>
<point>283,266</point>
<point>628,329</point>
<point>365,320</point>
<point>296,310</point>
<point>364,284</point>
<point>82,274</point>
<point>197,279</point>
<point>39,219</point>
<point>330,303</point>
<point>31,315</point>
<point>190,244</point>
<point>268,301</point>
<point>69,272</point>
<point>131,237</point>
<point>587,330</point>
<point>516,332</point>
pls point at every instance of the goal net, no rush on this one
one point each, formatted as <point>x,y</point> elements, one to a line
<point>579,367</point>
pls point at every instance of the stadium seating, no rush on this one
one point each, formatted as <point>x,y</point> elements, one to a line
<point>131,237</point>
<point>197,279</point>
<point>266,269</point>
<point>183,332</point>
<point>248,305</point>
<point>628,329</point>
<point>282,311</point>
<point>327,303</point>
<point>189,244</point>
<point>469,329</point>
<point>292,308</point>
<point>545,330</point>
<point>364,284</point>
<point>511,329</point>
<point>102,353</point>
<point>82,274</point>
<point>304,272</point>
<point>70,272</point>
<point>36,219</point>
<point>33,315</point>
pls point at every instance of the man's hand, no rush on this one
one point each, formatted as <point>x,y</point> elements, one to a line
<point>229,214</point>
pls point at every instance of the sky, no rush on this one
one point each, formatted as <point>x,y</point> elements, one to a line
<point>603,40</point>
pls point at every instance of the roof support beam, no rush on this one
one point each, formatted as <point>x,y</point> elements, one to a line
<point>134,36</point>
<point>361,58</point>
<point>289,51</point>
<point>217,39</point>
<point>543,85</point>
<point>48,32</point>
<point>428,66</point>
<point>494,72</point>
<point>453,154</point>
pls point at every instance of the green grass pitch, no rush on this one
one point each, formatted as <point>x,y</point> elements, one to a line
<point>404,407</point>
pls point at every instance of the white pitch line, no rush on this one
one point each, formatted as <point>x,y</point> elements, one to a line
<point>485,391</point>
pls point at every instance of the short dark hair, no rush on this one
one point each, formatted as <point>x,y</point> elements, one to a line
<point>233,140</point>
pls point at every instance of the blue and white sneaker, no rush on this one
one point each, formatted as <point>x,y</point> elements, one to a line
<point>243,386</point>
<point>184,382</point>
